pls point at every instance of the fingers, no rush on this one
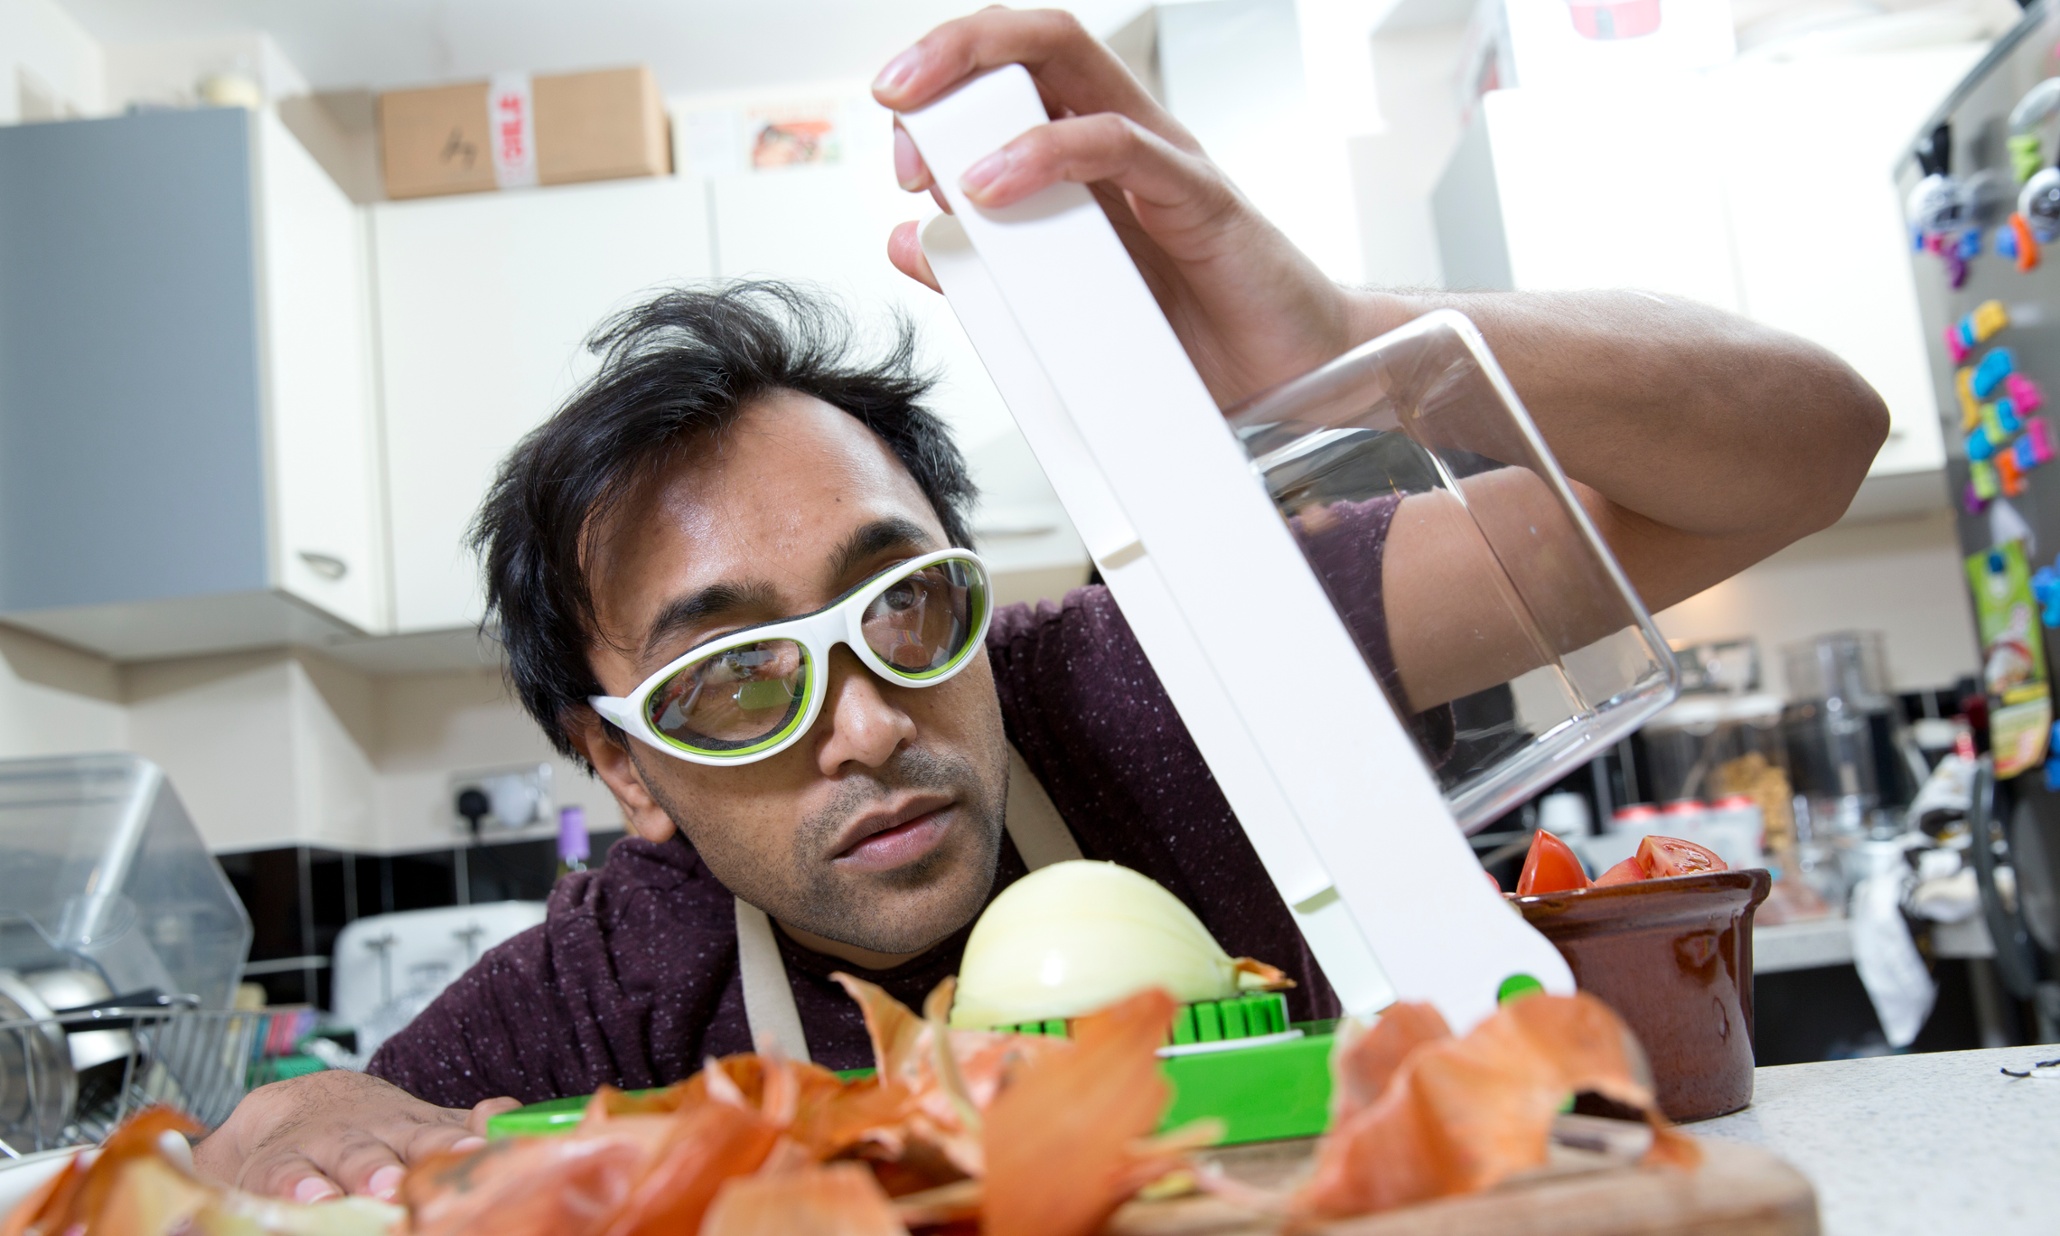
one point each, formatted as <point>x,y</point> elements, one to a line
<point>905,250</point>
<point>483,1111</point>
<point>909,169</point>
<point>363,1163</point>
<point>1074,71</point>
<point>288,1174</point>
<point>1170,189</point>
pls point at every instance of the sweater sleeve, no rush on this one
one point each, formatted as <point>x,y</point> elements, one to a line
<point>630,981</point>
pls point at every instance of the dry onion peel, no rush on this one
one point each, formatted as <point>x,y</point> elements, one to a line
<point>1423,1114</point>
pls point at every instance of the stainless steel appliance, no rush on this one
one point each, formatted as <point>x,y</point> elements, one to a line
<point>1994,143</point>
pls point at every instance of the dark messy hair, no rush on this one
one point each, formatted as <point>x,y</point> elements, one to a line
<point>674,370</point>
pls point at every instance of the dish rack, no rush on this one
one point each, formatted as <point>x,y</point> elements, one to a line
<point>68,1079</point>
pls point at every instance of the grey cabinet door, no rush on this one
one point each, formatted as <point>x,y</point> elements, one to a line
<point>131,441</point>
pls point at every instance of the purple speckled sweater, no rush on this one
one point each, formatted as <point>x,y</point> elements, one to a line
<point>633,980</point>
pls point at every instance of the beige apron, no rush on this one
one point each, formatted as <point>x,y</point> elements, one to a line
<point>1041,837</point>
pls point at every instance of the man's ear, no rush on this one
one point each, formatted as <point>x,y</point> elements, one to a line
<point>609,754</point>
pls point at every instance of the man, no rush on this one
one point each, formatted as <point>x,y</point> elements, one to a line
<point>832,794</point>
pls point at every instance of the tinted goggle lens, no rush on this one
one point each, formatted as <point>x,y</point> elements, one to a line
<point>921,623</point>
<point>747,697</point>
<point>735,699</point>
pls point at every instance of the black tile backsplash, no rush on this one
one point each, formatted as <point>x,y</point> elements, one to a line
<point>517,871</point>
<point>300,897</point>
<point>268,881</point>
<point>423,880</point>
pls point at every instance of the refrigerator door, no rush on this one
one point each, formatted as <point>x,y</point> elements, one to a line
<point>1996,140</point>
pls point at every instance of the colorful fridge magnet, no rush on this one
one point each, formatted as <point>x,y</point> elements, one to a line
<point>2013,665</point>
<point>2038,436</point>
<point>1990,372</point>
<point>1970,407</point>
<point>2038,204</point>
<point>2008,475</point>
<point>1977,327</point>
<point>2027,150</point>
<point>2045,586</point>
<point>2024,393</point>
<point>1937,209</point>
<point>1983,487</point>
<point>2017,242</point>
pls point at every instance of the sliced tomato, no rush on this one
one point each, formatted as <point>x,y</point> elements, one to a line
<point>1626,872</point>
<point>1671,856</point>
<point>1550,867</point>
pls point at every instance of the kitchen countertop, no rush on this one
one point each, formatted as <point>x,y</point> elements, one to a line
<point>1926,1144</point>
<point>1777,947</point>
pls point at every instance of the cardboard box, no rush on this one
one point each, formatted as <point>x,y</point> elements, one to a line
<point>517,130</point>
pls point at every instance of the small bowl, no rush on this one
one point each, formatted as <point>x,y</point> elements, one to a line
<point>1673,957</point>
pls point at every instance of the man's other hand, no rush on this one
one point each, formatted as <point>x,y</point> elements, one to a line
<point>327,1134</point>
<point>1250,308</point>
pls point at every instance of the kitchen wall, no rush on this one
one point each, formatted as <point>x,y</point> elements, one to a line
<point>52,66</point>
<point>1902,577</point>
<point>55,700</point>
<point>286,746</point>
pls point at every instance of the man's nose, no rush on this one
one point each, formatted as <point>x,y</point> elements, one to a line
<point>864,726</point>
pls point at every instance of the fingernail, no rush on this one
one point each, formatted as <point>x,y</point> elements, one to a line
<point>313,1189</point>
<point>385,1183</point>
<point>908,165</point>
<point>985,172</point>
<point>464,1144</point>
<point>898,71</point>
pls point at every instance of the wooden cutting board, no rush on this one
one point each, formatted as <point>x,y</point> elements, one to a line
<point>1738,1191</point>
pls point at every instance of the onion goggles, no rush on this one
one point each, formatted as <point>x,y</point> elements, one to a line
<point>753,693</point>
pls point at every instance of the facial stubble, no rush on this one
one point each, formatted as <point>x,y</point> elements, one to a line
<point>846,906</point>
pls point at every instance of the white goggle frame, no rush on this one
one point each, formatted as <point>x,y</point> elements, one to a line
<point>841,622</point>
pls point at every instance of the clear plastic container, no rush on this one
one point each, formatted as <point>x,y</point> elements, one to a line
<point>1705,746</point>
<point>1505,560</point>
<point>102,870</point>
<point>1854,761</point>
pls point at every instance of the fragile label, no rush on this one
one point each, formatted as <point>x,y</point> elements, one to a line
<point>511,130</point>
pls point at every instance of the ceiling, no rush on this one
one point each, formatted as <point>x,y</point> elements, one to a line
<point>694,46</point>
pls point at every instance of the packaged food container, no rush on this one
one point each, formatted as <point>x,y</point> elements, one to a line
<point>101,870</point>
<point>1423,419</point>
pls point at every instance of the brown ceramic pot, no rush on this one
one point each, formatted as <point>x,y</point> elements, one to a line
<point>1673,957</point>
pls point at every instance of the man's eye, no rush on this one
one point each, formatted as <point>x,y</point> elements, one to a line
<point>901,596</point>
<point>736,665</point>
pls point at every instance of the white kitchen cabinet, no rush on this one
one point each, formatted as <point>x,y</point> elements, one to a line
<point>1818,232</point>
<point>313,283</point>
<point>484,301</point>
<point>186,422</point>
<point>1763,188</point>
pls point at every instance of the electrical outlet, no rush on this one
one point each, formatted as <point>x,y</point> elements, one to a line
<point>502,798</point>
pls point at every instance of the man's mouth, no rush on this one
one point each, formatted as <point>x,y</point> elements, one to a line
<point>895,834</point>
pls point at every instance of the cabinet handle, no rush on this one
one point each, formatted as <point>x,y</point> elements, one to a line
<point>328,566</point>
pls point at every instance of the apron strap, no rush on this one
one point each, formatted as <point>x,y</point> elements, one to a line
<point>1032,822</point>
<point>769,1009</point>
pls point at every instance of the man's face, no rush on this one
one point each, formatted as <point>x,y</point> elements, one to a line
<point>881,827</point>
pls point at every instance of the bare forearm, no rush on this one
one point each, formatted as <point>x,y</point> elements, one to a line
<point>1696,420</point>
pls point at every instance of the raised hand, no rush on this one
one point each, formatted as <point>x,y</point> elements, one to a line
<point>1250,308</point>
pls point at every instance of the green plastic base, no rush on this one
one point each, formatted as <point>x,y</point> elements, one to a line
<point>1205,1021</point>
<point>1261,1093</point>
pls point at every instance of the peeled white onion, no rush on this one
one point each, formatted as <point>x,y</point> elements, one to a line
<point>1078,936</point>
